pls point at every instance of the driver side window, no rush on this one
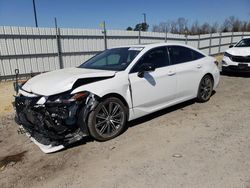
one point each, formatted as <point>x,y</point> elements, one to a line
<point>157,56</point>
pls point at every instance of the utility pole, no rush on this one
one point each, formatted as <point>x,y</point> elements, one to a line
<point>59,47</point>
<point>34,8</point>
<point>144,17</point>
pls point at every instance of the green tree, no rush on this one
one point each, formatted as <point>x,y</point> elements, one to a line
<point>129,28</point>
<point>141,26</point>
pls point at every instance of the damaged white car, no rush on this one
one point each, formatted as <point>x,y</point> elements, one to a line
<point>120,84</point>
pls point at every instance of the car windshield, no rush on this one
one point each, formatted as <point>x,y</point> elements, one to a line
<point>243,43</point>
<point>116,59</point>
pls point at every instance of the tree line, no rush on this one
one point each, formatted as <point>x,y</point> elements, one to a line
<point>181,26</point>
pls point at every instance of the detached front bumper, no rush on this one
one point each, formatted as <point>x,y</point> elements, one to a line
<point>45,148</point>
<point>53,127</point>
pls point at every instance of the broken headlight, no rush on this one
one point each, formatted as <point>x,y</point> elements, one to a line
<point>63,107</point>
<point>67,97</point>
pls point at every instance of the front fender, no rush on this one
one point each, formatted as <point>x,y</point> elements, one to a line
<point>118,84</point>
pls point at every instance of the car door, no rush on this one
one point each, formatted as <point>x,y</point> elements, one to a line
<point>156,88</point>
<point>188,66</point>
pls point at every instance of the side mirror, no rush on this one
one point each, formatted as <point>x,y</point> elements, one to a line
<point>231,46</point>
<point>147,67</point>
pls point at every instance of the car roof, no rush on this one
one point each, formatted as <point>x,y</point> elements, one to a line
<point>153,45</point>
<point>149,45</point>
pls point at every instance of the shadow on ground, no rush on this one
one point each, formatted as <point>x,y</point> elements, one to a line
<point>159,113</point>
<point>143,119</point>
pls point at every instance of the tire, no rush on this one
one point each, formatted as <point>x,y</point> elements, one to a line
<point>108,120</point>
<point>205,89</point>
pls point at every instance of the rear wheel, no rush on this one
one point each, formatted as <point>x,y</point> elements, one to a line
<point>205,89</point>
<point>107,120</point>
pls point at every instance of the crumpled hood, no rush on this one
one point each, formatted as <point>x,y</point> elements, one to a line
<point>62,80</point>
<point>239,51</point>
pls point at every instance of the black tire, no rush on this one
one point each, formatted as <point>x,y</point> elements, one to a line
<point>108,120</point>
<point>205,89</point>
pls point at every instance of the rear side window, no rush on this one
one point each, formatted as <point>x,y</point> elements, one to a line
<point>157,56</point>
<point>180,54</point>
<point>196,55</point>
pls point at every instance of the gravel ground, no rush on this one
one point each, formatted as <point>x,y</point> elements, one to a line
<point>188,145</point>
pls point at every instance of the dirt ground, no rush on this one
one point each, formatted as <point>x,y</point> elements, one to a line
<point>188,145</point>
<point>6,96</point>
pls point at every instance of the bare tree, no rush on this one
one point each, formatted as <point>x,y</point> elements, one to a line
<point>215,27</point>
<point>225,27</point>
<point>232,24</point>
<point>173,27</point>
<point>205,28</point>
<point>156,28</point>
<point>243,26</point>
<point>195,28</point>
<point>237,25</point>
<point>162,27</point>
<point>182,25</point>
<point>248,27</point>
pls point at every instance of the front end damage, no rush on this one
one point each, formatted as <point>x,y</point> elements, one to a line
<point>57,121</point>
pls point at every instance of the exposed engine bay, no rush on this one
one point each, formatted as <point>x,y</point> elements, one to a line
<point>56,121</point>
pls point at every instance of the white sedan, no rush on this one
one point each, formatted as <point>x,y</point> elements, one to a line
<point>237,57</point>
<point>120,84</point>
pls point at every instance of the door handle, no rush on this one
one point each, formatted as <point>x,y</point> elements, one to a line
<point>198,66</point>
<point>171,73</point>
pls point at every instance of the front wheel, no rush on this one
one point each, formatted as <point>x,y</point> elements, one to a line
<point>107,120</point>
<point>205,89</point>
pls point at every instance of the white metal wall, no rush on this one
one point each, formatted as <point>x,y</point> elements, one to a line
<point>36,49</point>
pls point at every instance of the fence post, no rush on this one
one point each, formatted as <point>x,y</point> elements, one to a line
<point>232,38</point>
<point>59,49</point>
<point>166,36</point>
<point>139,36</point>
<point>186,41</point>
<point>199,38</point>
<point>104,35</point>
<point>210,43</point>
<point>219,44</point>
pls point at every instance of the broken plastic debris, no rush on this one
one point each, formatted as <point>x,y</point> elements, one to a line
<point>47,148</point>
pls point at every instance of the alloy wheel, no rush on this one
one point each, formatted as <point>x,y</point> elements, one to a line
<point>206,88</point>
<point>109,119</point>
